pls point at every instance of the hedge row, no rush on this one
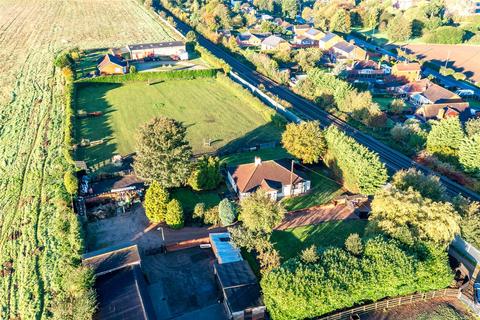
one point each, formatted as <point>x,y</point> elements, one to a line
<point>339,279</point>
<point>360,169</point>
<point>145,76</point>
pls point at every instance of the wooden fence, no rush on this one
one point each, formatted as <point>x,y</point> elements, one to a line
<point>390,303</point>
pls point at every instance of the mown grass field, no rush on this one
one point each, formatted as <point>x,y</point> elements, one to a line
<point>211,111</point>
<point>291,242</point>
<point>37,233</point>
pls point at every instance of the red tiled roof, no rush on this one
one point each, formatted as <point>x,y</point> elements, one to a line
<point>268,175</point>
<point>414,66</point>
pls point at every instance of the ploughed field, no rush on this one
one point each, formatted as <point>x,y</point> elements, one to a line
<point>216,115</point>
<point>34,258</point>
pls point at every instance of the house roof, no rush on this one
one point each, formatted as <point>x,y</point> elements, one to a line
<point>413,66</point>
<point>431,111</point>
<point>155,45</point>
<point>365,64</point>
<point>108,58</point>
<point>239,285</point>
<point>328,36</point>
<point>267,175</point>
<point>301,26</point>
<point>313,32</point>
<point>112,258</point>
<point>432,91</point>
<point>344,46</point>
<point>273,41</point>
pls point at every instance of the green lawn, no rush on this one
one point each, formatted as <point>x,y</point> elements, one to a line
<point>211,111</point>
<point>88,63</point>
<point>383,102</point>
<point>291,242</point>
<point>323,189</point>
<point>248,157</point>
<point>189,198</point>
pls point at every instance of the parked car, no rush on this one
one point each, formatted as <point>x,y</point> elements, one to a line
<point>476,293</point>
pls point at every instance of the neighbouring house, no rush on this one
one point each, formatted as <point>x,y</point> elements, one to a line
<point>404,4</point>
<point>111,65</point>
<point>433,101</point>
<point>314,34</point>
<point>266,17</point>
<point>366,70</point>
<point>300,29</point>
<point>407,72</point>
<point>237,282</point>
<point>304,42</point>
<point>171,49</point>
<point>248,39</point>
<point>119,283</point>
<point>462,8</point>
<point>347,51</point>
<point>276,177</point>
<point>287,26</point>
<point>328,41</point>
<point>274,43</point>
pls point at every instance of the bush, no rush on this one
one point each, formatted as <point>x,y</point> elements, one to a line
<point>199,211</point>
<point>227,212</point>
<point>428,186</point>
<point>63,60</point>
<point>174,217</point>
<point>459,76</point>
<point>310,254</point>
<point>70,182</point>
<point>156,201</point>
<point>206,175</point>
<point>133,69</point>
<point>259,213</point>
<point>340,280</point>
<point>353,244</point>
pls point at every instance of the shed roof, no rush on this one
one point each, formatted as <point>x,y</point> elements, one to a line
<point>239,285</point>
<point>155,45</point>
<point>225,251</point>
<point>273,41</point>
<point>112,258</point>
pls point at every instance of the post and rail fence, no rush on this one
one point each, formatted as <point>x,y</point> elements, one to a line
<point>390,303</point>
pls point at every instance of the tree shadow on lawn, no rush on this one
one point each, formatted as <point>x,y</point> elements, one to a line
<point>269,132</point>
<point>91,97</point>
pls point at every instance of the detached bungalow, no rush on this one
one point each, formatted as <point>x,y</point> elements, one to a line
<point>110,65</point>
<point>433,101</point>
<point>300,29</point>
<point>274,177</point>
<point>248,39</point>
<point>274,43</point>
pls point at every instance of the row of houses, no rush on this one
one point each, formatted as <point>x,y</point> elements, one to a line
<point>116,61</point>
<point>304,37</point>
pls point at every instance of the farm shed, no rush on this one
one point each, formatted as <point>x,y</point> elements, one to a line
<point>120,285</point>
<point>240,289</point>
<point>158,50</point>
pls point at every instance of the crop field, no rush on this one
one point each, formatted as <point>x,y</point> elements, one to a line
<point>39,239</point>
<point>212,112</point>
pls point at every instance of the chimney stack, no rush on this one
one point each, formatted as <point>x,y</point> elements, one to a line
<point>258,161</point>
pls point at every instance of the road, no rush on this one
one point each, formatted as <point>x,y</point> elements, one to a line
<point>446,81</point>
<point>307,110</point>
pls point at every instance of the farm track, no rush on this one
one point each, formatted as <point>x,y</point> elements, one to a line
<point>31,131</point>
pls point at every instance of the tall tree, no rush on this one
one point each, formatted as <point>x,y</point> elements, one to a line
<point>308,58</point>
<point>290,8</point>
<point>265,5</point>
<point>156,200</point>
<point>304,141</point>
<point>260,213</point>
<point>411,218</point>
<point>469,154</point>
<point>399,29</point>
<point>206,174</point>
<point>341,21</point>
<point>445,137</point>
<point>163,154</point>
<point>429,186</point>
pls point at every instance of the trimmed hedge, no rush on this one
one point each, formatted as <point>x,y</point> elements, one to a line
<point>163,75</point>
<point>360,169</point>
<point>340,280</point>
